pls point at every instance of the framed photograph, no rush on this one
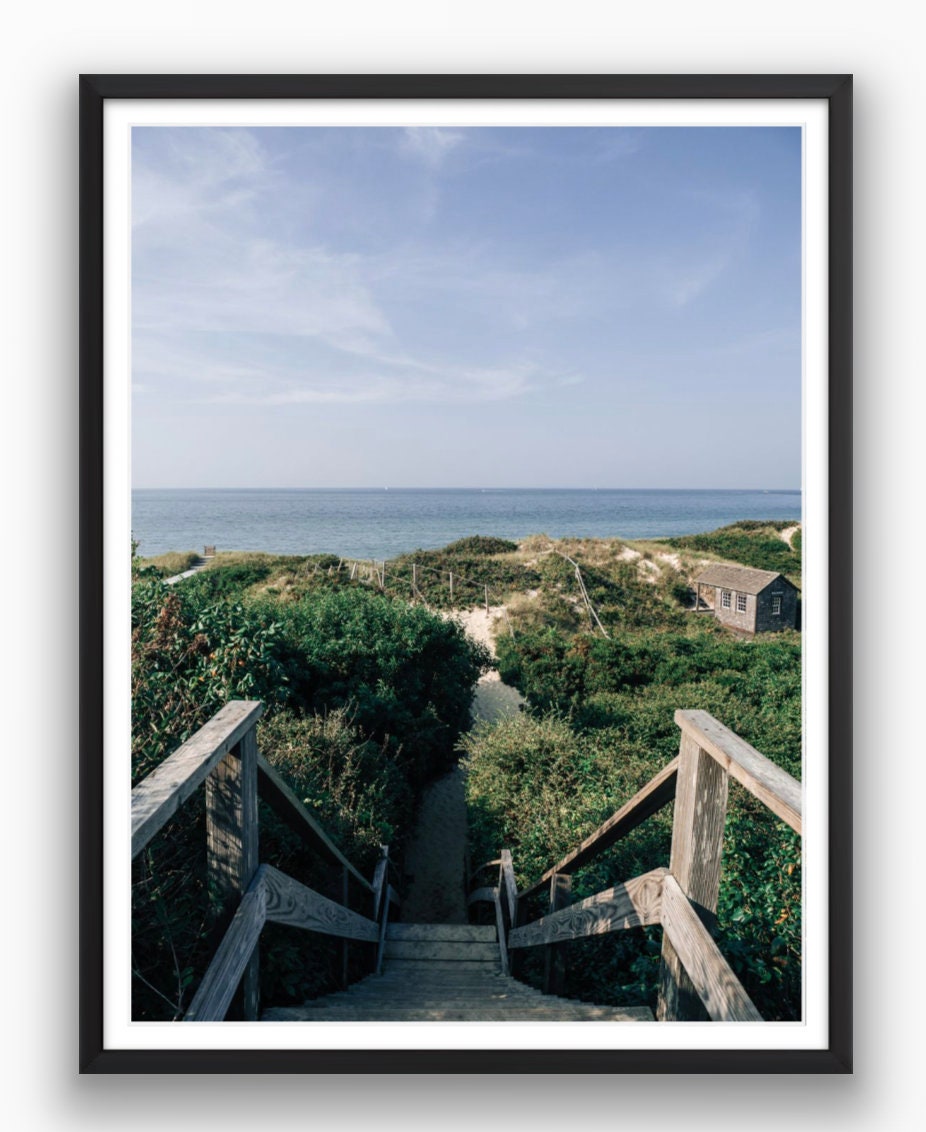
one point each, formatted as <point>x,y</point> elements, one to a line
<point>465,573</point>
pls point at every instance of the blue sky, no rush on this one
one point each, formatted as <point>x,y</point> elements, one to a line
<point>446,307</point>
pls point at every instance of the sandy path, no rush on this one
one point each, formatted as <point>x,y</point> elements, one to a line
<point>435,860</point>
<point>788,533</point>
<point>493,699</point>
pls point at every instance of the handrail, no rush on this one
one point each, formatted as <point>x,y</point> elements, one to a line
<point>159,796</point>
<point>682,898</point>
<point>288,808</point>
<point>633,904</point>
<point>272,897</point>
<point>223,756</point>
<point>769,783</point>
<point>717,986</point>
<point>657,793</point>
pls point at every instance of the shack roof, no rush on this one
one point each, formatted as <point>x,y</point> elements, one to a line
<point>741,578</point>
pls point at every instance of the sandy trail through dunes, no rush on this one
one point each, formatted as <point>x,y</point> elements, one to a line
<point>435,860</point>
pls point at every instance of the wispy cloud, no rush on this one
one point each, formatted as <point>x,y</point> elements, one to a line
<point>221,300</point>
<point>728,220</point>
<point>682,283</point>
<point>618,143</point>
<point>431,144</point>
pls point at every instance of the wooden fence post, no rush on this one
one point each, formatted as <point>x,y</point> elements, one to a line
<point>697,846</point>
<point>487,599</point>
<point>554,958</point>
<point>231,846</point>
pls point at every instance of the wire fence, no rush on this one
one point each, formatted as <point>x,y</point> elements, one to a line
<point>371,572</point>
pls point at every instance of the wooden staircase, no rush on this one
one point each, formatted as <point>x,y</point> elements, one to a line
<point>462,972</point>
<point>446,973</point>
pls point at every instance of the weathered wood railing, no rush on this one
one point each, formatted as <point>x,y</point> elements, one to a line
<point>223,756</point>
<point>682,899</point>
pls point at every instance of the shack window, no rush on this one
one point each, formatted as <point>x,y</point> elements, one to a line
<point>776,605</point>
<point>740,603</point>
<point>725,598</point>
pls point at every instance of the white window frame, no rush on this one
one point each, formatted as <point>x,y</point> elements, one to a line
<point>776,604</point>
<point>741,603</point>
<point>726,599</point>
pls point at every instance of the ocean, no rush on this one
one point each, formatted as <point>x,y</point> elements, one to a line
<point>383,522</point>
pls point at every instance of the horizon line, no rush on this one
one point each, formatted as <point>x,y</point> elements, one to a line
<point>494,487</point>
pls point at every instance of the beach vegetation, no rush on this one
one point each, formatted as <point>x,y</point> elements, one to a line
<point>365,700</point>
<point>755,543</point>
<point>599,723</point>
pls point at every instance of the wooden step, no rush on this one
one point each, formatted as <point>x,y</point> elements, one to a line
<point>445,933</point>
<point>415,967</point>
<point>447,973</point>
<point>477,1013</point>
<point>447,950</point>
<point>429,999</point>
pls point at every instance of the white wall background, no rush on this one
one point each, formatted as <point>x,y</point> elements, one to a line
<point>45,47</point>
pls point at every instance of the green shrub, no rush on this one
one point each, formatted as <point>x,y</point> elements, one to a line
<point>751,543</point>
<point>601,724</point>
<point>352,783</point>
<point>189,658</point>
<point>405,675</point>
<point>481,544</point>
<point>365,699</point>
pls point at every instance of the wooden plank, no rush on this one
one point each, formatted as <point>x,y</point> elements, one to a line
<point>232,848</point>
<point>502,933</point>
<point>380,883</point>
<point>658,792</point>
<point>444,932</point>
<point>163,792</point>
<point>554,956</point>
<point>215,993</point>
<point>761,777</point>
<point>484,1012</point>
<point>412,969</point>
<point>289,902</point>
<point>508,888</point>
<point>697,848</point>
<point>717,986</point>
<point>277,794</point>
<point>486,893</point>
<point>633,904</point>
<point>384,889</point>
<point>345,944</point>
<point>441,949</point>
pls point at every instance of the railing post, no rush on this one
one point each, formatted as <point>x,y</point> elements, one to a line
<point>345,900</point>
<point>231,846</point>
<point>554,957</point>
<point>507,907</point>
<point>697,846</point>
<point>380,903</point>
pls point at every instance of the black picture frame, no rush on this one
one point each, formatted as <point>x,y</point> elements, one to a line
<point>836,90</point>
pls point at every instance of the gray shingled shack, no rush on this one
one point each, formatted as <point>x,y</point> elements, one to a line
<point>753,601</point>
